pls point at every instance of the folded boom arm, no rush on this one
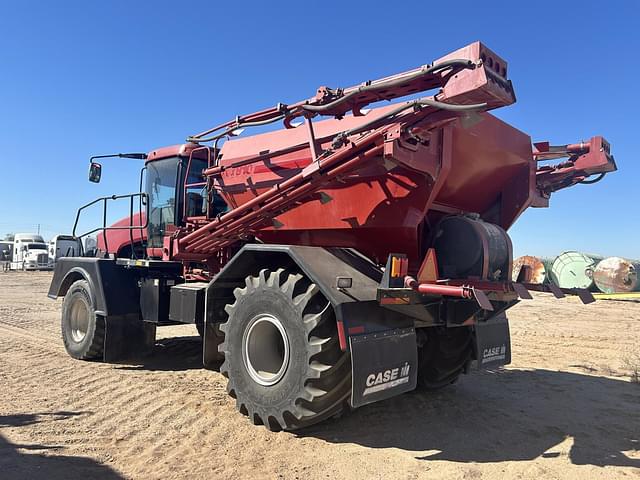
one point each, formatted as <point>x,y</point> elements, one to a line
<point>584,160</point>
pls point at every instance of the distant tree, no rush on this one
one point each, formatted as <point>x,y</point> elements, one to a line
<point>9,237</point>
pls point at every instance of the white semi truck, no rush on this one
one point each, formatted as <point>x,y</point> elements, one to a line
<point>30,253</point>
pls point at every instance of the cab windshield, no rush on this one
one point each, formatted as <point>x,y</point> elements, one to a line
<point>166,203</point>
<point>162,178</point>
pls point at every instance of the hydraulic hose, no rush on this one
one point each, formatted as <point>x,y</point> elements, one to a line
<point>391,83</point>
<point>372,87</point>
<point>595,180</point>
<point>421,102</point>
<point>235,127</point>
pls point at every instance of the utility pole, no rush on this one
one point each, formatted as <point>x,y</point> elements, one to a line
<point>38,229</point>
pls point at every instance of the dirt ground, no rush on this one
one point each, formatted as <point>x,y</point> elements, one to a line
<point>565,408</point>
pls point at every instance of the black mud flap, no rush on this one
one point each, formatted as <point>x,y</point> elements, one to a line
<point>383,365</point>
<point>127,338</point>
<point>210,356</point>
<point>492,342</point>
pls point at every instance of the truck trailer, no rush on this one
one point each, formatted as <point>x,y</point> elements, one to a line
<point>347,257</point>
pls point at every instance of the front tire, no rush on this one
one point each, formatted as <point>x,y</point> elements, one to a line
<point>281,352</point>
<point>82,329</point>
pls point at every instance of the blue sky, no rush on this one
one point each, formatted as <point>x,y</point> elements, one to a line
<point>83,78</point>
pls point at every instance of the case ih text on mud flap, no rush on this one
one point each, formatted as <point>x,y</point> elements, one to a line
<point>384,365</point>
<point>493,346</point>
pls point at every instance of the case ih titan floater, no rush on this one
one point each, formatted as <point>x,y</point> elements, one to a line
<point>332,263</point>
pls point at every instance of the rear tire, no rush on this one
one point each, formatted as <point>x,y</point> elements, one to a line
<point>444,356</point>
<point>281,352</point>
<point>82,329</point>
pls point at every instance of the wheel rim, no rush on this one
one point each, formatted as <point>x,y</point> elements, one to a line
<point>265,349</point>
<point>79,320</point>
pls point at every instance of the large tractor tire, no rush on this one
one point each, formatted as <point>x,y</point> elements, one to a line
<point>444,356</point>
<point>82,329</point>
<point>281,352</point>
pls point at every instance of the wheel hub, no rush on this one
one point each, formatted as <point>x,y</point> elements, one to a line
<point>265,349</point>
<point>79,320</point>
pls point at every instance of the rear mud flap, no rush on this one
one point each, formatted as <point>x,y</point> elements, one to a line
<point>211,357</point>
<point>492,342</point>
<point>127,338</point>
<point>383,365</point>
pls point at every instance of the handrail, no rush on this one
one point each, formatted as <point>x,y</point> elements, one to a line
<point>104,228</point>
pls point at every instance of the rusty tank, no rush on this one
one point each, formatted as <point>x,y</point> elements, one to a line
<point>617,275</point>
<point>530,269</point>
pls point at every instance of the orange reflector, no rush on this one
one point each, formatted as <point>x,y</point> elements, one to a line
<point>395,267</point>
<point>399,266</point>
<point>429,269</point>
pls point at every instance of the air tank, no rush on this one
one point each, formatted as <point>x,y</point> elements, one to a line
<point>617,275</point>
<point>469,247</point>
<point>529,269</point>
<point>574,270</point>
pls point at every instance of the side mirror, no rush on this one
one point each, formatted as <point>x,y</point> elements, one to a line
<point>95,172</point>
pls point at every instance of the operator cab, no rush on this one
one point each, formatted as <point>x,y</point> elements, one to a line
<point>177,191</point>
<point>174,194</point>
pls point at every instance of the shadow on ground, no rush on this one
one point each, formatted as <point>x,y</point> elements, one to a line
<point>508,415</point>
<point>16,464</point>
<point>170,354</point>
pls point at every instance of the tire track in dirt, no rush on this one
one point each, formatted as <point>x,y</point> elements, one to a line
<point>128,394</point>
<point>29,336</point>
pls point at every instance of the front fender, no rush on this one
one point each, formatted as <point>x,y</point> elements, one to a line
<point>114,288</point>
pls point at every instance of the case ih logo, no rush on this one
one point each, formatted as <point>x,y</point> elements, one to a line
<point>492,354</point>
<point>387,379</point>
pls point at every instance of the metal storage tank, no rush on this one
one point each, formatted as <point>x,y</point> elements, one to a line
<point>530,269</point>
<point>617,275</point>
<point>574,270</point>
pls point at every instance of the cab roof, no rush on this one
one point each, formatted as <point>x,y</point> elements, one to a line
<point>180,150</point>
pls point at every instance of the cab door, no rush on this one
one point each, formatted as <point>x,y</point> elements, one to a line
<point>200,200</point>
<point>195,204</point>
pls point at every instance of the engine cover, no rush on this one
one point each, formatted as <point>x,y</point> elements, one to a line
<point>468,247</point>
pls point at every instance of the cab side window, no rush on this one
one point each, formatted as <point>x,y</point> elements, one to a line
<point>196,189</point>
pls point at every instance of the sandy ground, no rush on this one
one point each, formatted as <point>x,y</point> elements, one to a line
<point>565,408</point>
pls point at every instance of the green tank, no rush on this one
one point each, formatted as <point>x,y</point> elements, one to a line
<point>574,270</point>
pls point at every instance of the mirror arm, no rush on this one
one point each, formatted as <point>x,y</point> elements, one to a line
<point>135,156</point>
<point>95,169</point>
